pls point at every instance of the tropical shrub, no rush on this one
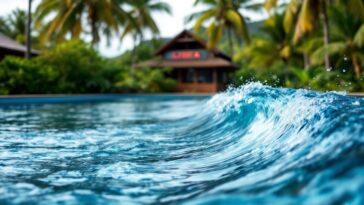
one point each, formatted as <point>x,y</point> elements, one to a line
<point>21,76</point>
<point>79,66</point>
<point>76,67</point>
<point>145,80</point>
<point>318,78</point>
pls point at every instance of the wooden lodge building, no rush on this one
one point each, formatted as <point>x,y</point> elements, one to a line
<point>10,47</point>
<point>195,68</point>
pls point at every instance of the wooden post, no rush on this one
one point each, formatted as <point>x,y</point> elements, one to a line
<point>179,75</point>
<point>214,76</point>
<point>195,77</point>
<point>214,80</point>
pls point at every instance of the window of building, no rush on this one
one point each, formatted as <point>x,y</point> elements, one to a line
<point>188,75</point>
<point>204,75</point>
<point>222,77</point>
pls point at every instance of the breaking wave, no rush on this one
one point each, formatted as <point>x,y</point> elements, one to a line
<point>249,145</point>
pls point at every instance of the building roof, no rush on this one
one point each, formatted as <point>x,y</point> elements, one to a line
<point>209,63</point>
<point>217,60</point>
<point>9,44</point>
<point>179,38</point>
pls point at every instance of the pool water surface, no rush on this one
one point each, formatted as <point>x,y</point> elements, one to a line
<point>250,145</point>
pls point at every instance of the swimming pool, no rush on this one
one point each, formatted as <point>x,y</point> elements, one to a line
<point>251,145</point>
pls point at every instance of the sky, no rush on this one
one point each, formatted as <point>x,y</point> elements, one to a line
<point>169,25</point>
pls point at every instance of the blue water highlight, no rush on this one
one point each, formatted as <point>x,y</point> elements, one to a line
<point>249,145</point>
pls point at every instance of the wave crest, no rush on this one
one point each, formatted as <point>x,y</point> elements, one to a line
<point>284,142</point>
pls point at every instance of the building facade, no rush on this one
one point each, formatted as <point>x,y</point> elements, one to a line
<point>195,68</point>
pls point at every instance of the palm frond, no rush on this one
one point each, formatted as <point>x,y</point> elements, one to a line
<point>238,24</point>
<point>305,20</point>
<point>359,37</point>
<point>333,48</point>
<point>290,14</point>
<point>270,4</point>
<point>205,16</point>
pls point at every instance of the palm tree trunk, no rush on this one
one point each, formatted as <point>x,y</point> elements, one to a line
<point>93,20</point>
<point>133,60</point>
<point>133,51</point>
<point>286,70</point>
<point>231,46</point>
<point>306,61</point>
<point>94,32</point>
<point>28,31</point>
<point>326,28</point>
<point>357,66</point>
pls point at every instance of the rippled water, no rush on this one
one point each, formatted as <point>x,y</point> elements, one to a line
<point>252,145</point>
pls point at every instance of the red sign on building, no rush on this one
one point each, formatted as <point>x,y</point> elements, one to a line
<point>186,55</point>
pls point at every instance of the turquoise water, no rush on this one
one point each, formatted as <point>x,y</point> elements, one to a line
<point>251,145</point>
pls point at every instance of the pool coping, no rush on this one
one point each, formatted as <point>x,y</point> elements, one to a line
<point>110,94</point>
<point>129,94</point>
<point>71,98</point>
<point>356,94</point>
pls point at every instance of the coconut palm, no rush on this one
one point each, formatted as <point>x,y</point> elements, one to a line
<point>355,7</point>
<point>141,19</point>
<point>307,12</point>
<point>69,17</point>
<point>141,16</point>
<point>348,38</point>
<point>222,15</point>
<point>275,46</point>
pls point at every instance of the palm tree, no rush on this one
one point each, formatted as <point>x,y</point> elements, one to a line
<point>348,38</point>
<point>69,18</point>
<point>28,30</point>
<point>13,25</point>
<point>307,12</point>
<point>355,7</point>
<point>275,46</point>
<point>223,15</point>
<point>141,20</point>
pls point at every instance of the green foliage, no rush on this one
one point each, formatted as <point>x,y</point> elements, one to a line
<point>65,19</point>
<point>273,76</point>
<point>144,51</point>
<point>141,18</point>
<point>76,67</point>
<point>275,57</point>
<point>318,78</point>
<point>58,19</point>
<point>223,16</point>
<point>21,76</point>
<point>80,67</point>
<point>287,49</point>
<point>149,80</point>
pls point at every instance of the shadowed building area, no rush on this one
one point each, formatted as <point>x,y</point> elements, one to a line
<point>195,68</point>
<point>10,47</point>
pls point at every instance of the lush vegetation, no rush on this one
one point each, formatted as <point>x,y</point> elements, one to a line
<point>316,44</point>
<point>76,67</point>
